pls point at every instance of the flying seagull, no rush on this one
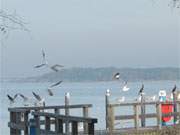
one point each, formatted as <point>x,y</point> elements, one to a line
<point>116,76</point>
<point>44,60</point>
<point>50,92</point>
<point>12,99</point>
<point>37,96</point>
<point>55,67</point>
<point>174,89</point>
<point>141,90</point>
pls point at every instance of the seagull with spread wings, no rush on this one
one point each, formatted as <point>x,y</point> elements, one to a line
<point>12,99</point>
<point>50,92</point>
<point>40,101</point>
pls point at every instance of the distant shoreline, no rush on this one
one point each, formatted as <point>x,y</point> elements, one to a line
<point>104,75</point>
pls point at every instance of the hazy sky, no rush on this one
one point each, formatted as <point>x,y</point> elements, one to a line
<point>92,33</point>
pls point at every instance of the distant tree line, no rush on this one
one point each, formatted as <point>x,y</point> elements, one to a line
<point>105,74</point>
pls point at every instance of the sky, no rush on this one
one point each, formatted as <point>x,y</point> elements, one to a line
<point>91,33</point>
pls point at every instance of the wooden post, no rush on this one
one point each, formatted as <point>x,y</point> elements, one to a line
<point>59,126</point>
<point>13,120</point>
<point>111,119</point>
<point>67,98</point>
<point>57,122</point>
<point>143,111</point>
<point>136,119</point>
<point>74,127</point>
<point>26,119</point>
<point>91,128</point>
<point>85,124</point>
<point>106,106</point>
<point>18,120</point>
<point>37,125</point>
<point>174,106</point>
<point>47,123</point>
<point>159,115</point>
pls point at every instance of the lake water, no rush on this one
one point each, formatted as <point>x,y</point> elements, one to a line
<point>81,93</point>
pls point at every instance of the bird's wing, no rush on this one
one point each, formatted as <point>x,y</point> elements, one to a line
<point>56,67</point>
<point>38,66</point>
<point>15,96</point>
<point>37,96</point>
<point>21,95</point>
<point>50,92</point>
<point>10,98</point>
<point>56,84</point>
<point>174,89</point>
<point>116,76</point>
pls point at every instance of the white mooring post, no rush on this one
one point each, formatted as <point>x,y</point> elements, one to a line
<point>107,105</point>
<point>67,99</point>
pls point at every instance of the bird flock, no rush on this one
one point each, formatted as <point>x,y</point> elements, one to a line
<point>141,93</point>
<point>39,101</point>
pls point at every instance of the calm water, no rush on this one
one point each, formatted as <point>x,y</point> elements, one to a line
<point>81,93</point>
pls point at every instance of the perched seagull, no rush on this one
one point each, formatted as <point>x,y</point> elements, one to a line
<point>174,89</point>
<point>116,76</point>
<point>12,99</point>
<point>121,99</point>
<point>56,84</point>
<point>41,101</point>
<point>24,97</point>
<point>141,90</point>
<point>125,87</point>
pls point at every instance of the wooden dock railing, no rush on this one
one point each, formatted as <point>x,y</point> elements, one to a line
<point>137,116</point>
<point>21,122</point>
<point>59,120</point>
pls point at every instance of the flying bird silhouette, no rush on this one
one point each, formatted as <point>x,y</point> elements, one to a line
<point>50,92</point>
<point>125,87</point>
<point>41,101</point>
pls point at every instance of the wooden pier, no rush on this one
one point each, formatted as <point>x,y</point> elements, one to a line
<point>57,120</point>
<point>49,120</point>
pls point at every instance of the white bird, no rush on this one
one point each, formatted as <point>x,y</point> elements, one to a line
<point>50,92</point>
<point>40,101</point>
<point>55,67</point>
<point>125,87</point>
<point>12,99</point>
<point>121,99</point>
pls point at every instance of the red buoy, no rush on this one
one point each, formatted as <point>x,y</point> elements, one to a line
<point>166,108</point>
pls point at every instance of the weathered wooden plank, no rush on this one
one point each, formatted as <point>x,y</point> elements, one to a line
<point>85,115</point>
<point>64,117</point>
<point>47,123</point>
<point>59,126</point>
<point>17,126</point>
<point>50,107</point>
<point>159,115</point>
<point>91,128</point>
<point>136,115</point>
<point>74,127</point>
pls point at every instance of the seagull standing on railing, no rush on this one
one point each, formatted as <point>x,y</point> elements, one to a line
<point>125,87</point>
<point>25,99</point>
